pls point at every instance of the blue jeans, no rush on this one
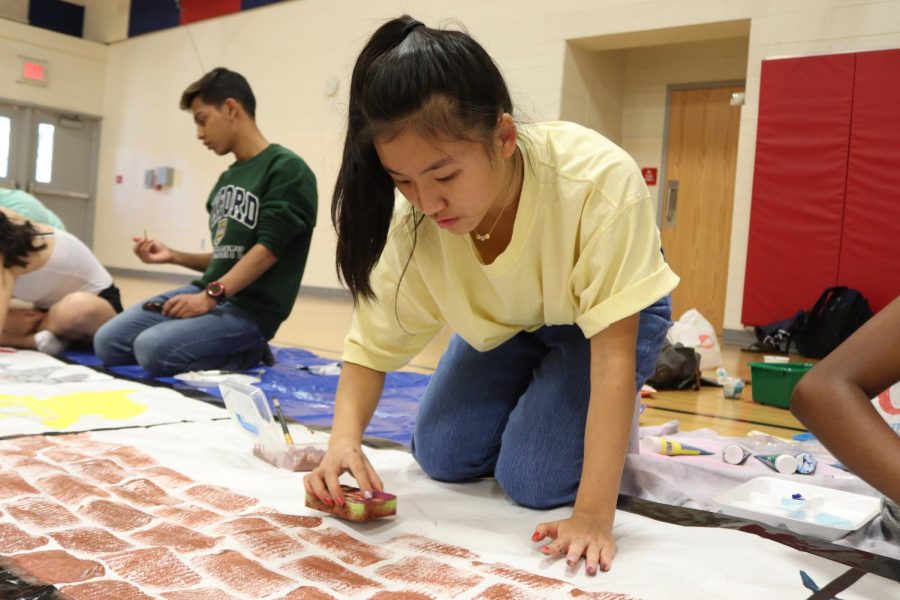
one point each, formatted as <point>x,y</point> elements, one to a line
<point>224,338</point>
<point>518,412</point>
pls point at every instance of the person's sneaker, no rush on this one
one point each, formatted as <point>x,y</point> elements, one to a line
<point>47,342</point>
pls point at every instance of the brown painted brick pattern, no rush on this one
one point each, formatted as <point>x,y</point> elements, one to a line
<point>69,489</point>
<point>269,544</point>
<point>13,539</point>
<point>28,444</point>
<point>12,485</point>
<point>242,574</point>
<point>105,589</point>
<point>62,454</point>
<point>349,549</point>
<point>332,574</point>
<point>220,498</point>
<point>40,513</point>
<point>99,469</point>
<point>505,591</point>
<point>143,492</point>
<point>34,467</point>
<point>308,593</point>
<point>189,516</point>
<point>600,595</point>
<point>176,537</point>
<point>134,529</point>
<point>244,525</point>
<point>528,580</point>
<point>58,566</point>
<point>204,593</point>
<point>423,574</point>
<point>115,515</point>
<point>428,546</point>
<point>291,520</point>
<point>156,567</point>
<point>129,456</point>
<point>166,477</point>
<point>90,540</point>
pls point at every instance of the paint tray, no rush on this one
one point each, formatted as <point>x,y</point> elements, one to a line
<point>250,412</point>
<point>803,508</point>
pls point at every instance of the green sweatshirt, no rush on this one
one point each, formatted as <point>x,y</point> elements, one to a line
<point>270,199</point>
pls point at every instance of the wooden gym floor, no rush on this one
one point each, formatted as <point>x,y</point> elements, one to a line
<point>319,324</point>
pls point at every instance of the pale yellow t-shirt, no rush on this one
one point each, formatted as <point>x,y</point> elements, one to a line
<point>585,249</point>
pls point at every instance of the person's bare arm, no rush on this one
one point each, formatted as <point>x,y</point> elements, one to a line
<point>153,251</point>
<point>7,281</point>
<point>833,401</point>
<point>588,532</point>
<point>358,392</point>
<point>248,269</point>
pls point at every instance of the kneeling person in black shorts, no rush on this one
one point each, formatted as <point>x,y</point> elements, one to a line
<point>71,293</point>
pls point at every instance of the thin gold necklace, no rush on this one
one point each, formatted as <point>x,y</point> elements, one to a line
<point>485,237</point>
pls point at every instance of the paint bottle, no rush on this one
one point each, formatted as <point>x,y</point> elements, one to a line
<point>735,454</point>
<point>806,462</point>
<point>669,447</point>
<point>783,463</point>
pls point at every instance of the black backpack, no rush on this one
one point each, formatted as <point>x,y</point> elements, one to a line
<point>838,312</point>
<point>677,368</point>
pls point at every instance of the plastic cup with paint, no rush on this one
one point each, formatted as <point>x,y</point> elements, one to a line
<point>735,454</point>
<point>669,447</point>
<point>782,463</point>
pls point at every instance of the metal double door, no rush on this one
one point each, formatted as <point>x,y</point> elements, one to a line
<point>53,156</point>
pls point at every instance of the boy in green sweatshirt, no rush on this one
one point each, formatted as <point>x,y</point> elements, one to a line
<point>262,212</point>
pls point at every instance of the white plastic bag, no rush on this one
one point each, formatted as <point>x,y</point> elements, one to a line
<point>694,331</point>
<point>887,403</point>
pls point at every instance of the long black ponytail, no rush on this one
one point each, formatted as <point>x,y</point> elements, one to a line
<point>444,85</point>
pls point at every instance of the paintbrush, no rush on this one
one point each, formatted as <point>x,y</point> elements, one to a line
<point>284,428</point>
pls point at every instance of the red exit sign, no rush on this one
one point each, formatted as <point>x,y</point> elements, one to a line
<point>34,71</point>
<point>649,174</point>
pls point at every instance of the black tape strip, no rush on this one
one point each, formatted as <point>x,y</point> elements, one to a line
<point>867,562</point>
<point>725,418</point>
<point>838,585</point>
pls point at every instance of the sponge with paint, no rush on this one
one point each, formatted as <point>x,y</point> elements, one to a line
<point>356,506</point>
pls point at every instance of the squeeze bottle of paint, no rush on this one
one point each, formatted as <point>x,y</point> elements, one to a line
<point>806,462</point>
<point>783,463</point>
<point>735,454</point>
<point>669,447</point>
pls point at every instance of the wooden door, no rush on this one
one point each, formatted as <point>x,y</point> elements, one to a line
<point>697,197</point>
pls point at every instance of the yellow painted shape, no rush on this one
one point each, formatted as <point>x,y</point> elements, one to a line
<point>60,412</point>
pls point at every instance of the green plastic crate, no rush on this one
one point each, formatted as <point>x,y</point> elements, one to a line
<point>772,383</point>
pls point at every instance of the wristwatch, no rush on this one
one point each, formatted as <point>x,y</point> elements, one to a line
<point>216,291</point>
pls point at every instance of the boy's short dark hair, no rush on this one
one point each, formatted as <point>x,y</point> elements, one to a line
<point>217,86</point>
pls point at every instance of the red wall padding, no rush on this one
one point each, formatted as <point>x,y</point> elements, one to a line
<point>199,10</point>
<point>798,184</point>
<point>870,250</point>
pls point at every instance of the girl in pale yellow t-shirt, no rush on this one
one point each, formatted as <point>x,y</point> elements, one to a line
<point>537,245</point>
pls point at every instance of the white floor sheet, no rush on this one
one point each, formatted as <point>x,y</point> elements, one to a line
<point>655,559</point>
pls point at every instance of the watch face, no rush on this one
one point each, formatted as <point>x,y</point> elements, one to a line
<point>215,289</point>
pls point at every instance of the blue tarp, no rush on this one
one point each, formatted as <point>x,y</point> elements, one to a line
<point>307,397</point>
